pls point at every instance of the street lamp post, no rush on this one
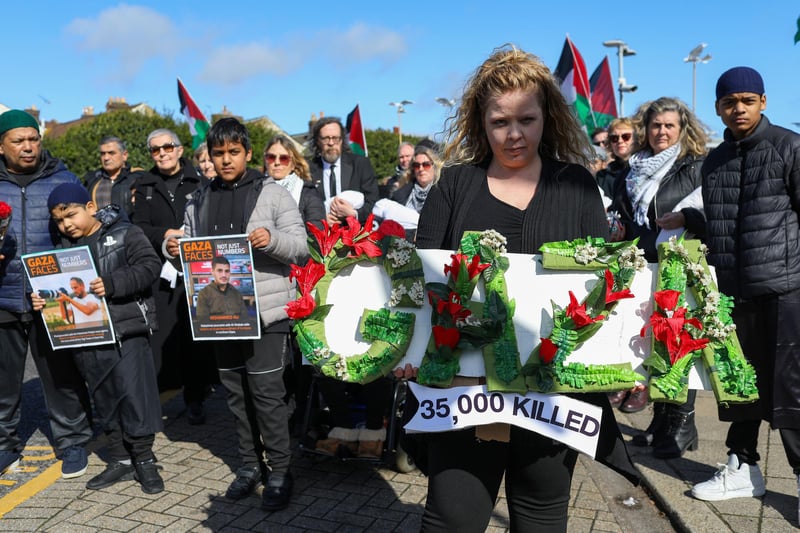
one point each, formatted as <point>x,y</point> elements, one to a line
<point>622,51</point>
<point>401,108</point>
<point>694,58</point>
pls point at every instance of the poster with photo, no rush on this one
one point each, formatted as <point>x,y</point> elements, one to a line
<point>220,287</point>
<point>74,317</point>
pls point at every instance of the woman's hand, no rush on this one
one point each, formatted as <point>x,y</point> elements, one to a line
<point>407,372</point>
<point>671,221</point>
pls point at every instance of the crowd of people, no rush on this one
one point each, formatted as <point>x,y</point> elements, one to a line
<point>514,160</point>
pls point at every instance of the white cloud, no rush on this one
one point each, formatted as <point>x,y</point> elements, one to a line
<point>231,64</point>
<point>365,43</point>
<point>135,34</point>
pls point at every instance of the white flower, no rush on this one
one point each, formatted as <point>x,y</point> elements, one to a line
<point>585,253</point>
<point>677,248</point>
<point>417,292</point>
<point>397,295</point>
<point>341,367</point>
<point>632,257</point>
<point>400,252</point>
<point>494,241</point>
<point>703,249</point>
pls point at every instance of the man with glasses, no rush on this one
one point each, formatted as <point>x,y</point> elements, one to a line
<point>335,169</point>
<point>161,196</point>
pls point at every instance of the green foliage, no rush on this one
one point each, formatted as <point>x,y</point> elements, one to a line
<point>382,147</point>
<point>259,135</point>
<point>78,146</point>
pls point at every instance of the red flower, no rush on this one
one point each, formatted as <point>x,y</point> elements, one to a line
<point>577,312</point>
<point>443,336</point>
<point>669,326</point>
<point>301,308</point>
<point>612,296</point>
<point>326,237</point>
<point>388,228</point>
<point>547,351</point>
<point>358,238</point>
<point>453,307</point>
<point>474,268</point>
<point>5,210</point>
<point>307,276</point>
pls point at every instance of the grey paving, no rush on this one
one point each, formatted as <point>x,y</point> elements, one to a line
<point>335,496</point>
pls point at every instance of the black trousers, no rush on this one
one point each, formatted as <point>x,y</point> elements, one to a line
<point>179,361</point>
<point>65,394</point>
<point>122,382</point>
<point>252,373</point>
<point>465,475</point>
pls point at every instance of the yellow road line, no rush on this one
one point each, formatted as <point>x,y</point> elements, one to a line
<point>7,482</point>
<point>30,489</point>
<point>51,474</point>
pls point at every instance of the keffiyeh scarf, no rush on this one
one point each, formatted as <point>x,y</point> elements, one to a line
<point>643,180</point>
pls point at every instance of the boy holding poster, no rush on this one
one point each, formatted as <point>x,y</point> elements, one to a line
<point>242,201</point>
<point>121,376</point>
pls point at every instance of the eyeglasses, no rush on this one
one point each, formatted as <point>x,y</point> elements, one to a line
<point>283,158</point>
<point>331,139</point>
<point>625,137</point>
<point>168,148</point>
<point>425,164</point>
<point>600,143</point>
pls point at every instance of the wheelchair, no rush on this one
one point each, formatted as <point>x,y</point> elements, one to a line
<point>316,423</point>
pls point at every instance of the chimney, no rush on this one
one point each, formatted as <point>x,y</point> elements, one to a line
<point>88,111</point>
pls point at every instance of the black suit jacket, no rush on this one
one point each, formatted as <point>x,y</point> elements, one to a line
<point>356,174</point>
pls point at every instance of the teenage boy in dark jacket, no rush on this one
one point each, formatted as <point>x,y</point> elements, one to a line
<point>751,194</point>
<point>241,200</point>
<point>121,376</point>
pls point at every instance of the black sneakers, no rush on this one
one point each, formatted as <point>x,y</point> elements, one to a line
<point>114,473</point>
<point>277,492</point>
<point>245,482</point>
<point>146,473</point>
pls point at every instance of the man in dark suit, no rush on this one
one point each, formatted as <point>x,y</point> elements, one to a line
<point>350,172</point>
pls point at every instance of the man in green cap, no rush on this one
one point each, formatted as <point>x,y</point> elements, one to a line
<point>27,176</point>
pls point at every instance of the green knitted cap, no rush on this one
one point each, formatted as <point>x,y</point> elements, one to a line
<point>16,118</point>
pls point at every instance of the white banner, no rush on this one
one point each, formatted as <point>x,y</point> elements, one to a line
<point>567,420</point>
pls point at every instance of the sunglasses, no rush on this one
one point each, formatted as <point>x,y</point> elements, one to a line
<point>425,164</point>
<point>625,137</point>
<point>283,158</point>
<point>168,148</point>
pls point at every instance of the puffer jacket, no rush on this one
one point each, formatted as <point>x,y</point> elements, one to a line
<point>31,229</point>
<point>751,192</point>
<point>680,181</point>
<point>272,207</point>
<point>128,266</point>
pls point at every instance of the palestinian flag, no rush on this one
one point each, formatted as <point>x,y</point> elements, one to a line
<point>604,99</point>
<point>355,133</point>
<point>198,125</point>
<point>571,73</point>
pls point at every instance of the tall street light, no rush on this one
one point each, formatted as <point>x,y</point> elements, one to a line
<point>622,51</point>
<point>401,108</point>
<point>694,58</point>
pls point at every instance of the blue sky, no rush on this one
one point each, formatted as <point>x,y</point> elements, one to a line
<point>291,60</point>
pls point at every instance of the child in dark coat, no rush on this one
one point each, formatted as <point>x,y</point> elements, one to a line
<point>121,376</point>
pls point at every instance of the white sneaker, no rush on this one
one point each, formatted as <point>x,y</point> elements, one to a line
<point>733,480</point>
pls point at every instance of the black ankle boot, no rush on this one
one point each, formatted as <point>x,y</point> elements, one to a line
<point>655,429</point>
<point>680,435</point>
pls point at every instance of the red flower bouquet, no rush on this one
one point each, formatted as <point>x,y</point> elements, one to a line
<point>5,220</point>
